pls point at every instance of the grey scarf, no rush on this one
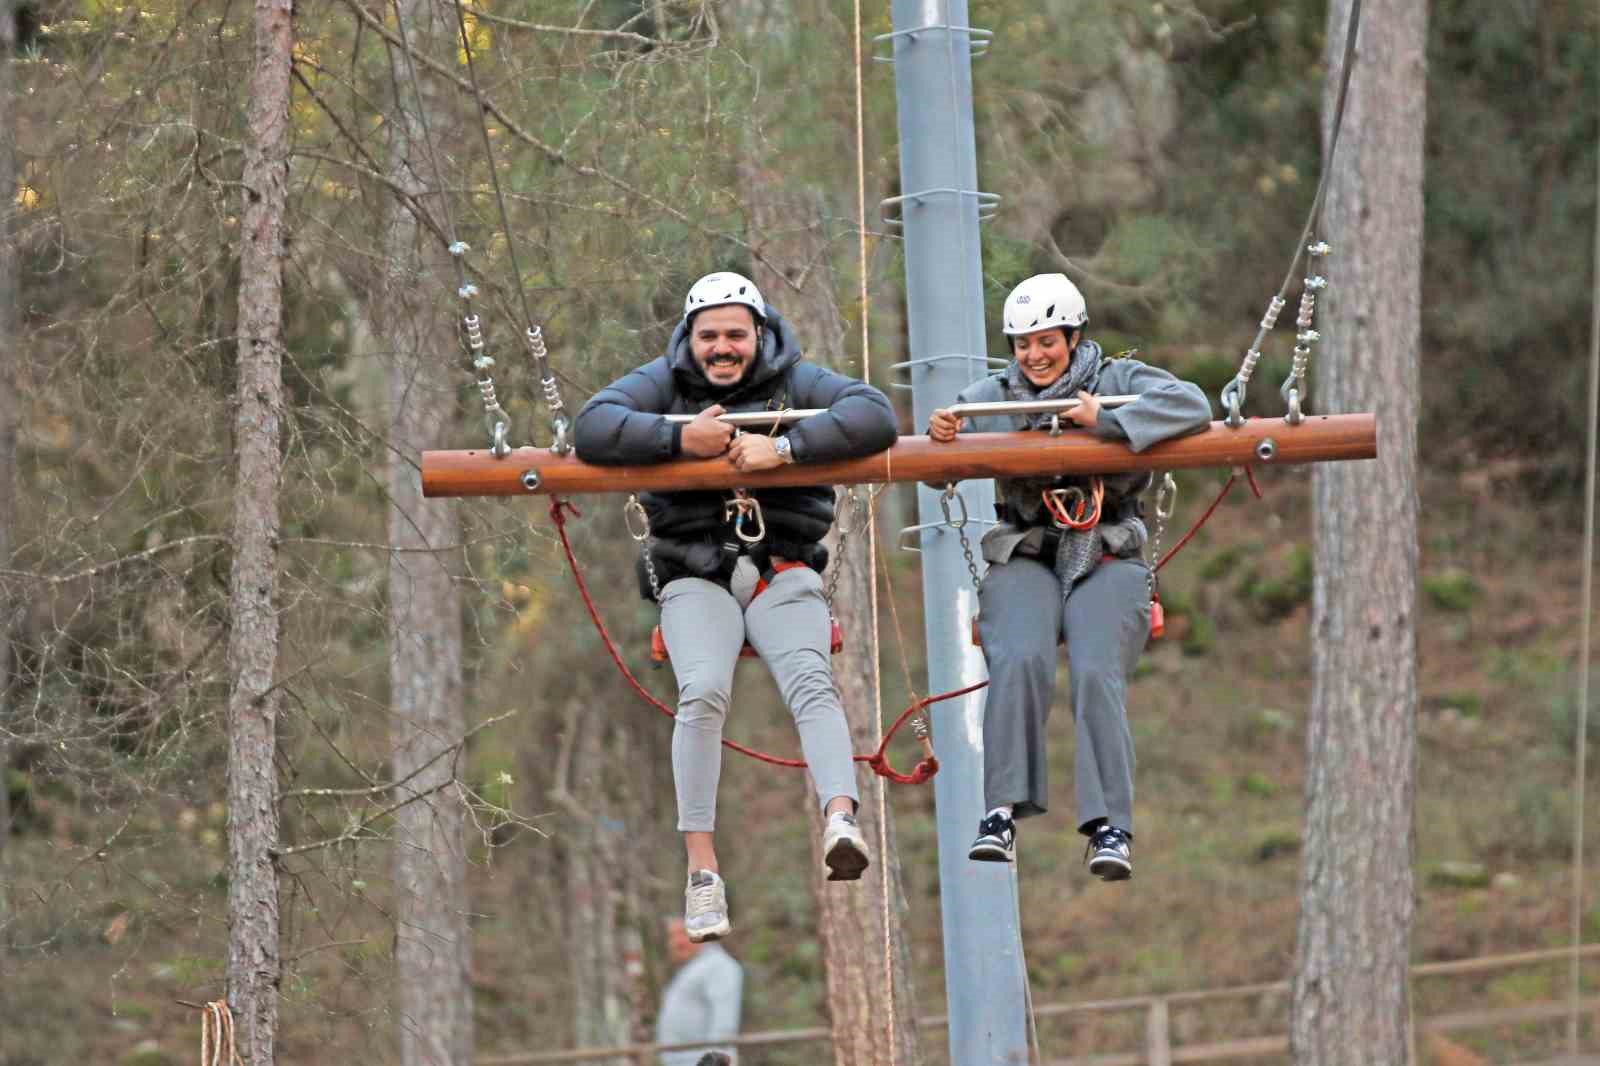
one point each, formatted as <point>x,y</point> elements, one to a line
<point>1080,548</point>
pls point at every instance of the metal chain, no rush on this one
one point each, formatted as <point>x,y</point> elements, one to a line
<point>637,519</point>
<point>1166,501</point>
<point>960,526</point>
<point>852,503</point>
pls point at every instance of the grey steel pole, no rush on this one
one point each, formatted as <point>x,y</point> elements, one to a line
<point>939,213</point>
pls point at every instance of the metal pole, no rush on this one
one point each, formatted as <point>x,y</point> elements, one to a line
<point>939,213</point>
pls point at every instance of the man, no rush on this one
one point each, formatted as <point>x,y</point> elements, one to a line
<point>1066,563</point>
<point>729,568</point>
<point>701,1002</point>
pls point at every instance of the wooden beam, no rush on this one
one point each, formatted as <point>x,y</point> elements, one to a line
<point>1267,441</point>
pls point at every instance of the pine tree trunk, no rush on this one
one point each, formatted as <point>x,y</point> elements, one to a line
<point>8,421</point>
<point>869,986</point>
<point>433,954</point>
<point>1351,1002</point>
<point>253,948</point>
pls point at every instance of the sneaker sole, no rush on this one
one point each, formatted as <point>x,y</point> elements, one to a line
<point>989,853</point>
<point>716,932</point>
<point>846,861</point>
<point>1111,869</point>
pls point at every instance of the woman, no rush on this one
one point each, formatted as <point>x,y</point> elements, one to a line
<point>1066,561</point>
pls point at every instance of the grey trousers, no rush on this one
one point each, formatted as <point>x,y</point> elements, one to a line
<point>704,628</point>
<point>1106,619</point>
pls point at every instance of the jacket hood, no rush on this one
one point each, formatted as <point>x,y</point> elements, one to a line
<point>779,351</point>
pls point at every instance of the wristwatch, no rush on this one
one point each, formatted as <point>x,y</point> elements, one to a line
<point>784,449</point>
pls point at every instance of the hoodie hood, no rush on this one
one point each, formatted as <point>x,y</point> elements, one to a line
<point>779,351</point>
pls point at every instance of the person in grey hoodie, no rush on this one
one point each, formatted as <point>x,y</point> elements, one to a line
<point>701,1003</point>
<point>1066,565</point>
<point>726,572</point>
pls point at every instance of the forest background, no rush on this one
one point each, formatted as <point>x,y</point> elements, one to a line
<point>1163,153</point>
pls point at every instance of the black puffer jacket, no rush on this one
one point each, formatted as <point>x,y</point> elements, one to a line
<point>623,425</point>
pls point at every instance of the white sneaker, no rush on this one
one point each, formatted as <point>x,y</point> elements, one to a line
<point>705,907</point>
<point>843,848</point>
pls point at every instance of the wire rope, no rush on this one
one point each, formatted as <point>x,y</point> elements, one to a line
<point>1575,969</point>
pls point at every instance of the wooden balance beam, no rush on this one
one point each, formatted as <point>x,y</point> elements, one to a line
<point>1262,441</point>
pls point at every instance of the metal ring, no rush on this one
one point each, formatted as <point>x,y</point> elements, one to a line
<point>1267,450</point>
<point>501,448</point>
<point>1295,416</point>
<point>530,480</point>
<point>1055,425</point>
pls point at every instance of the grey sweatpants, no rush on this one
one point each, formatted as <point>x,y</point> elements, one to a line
<point>1107,623</point>
<point>787,625</point>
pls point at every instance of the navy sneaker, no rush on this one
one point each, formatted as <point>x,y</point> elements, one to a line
<point>1110,854</point>
<point>997,840</point>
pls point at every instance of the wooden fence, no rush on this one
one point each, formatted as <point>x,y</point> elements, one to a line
<point>1159,1046</point>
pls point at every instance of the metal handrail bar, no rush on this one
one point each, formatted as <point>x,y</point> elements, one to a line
<point>964,410</point>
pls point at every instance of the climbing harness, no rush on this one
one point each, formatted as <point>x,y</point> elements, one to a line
<point>878,761</point>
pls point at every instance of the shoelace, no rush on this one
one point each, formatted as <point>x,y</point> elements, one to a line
<point>995,825</point>
<point>1109,839</point>
<point>703,897</point>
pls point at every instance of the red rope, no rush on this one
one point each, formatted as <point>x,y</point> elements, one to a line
<point>878,760</point>
<point>1250,476</point>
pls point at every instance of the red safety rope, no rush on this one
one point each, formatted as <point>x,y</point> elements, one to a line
<point>1226,488</point>
<point>878,760</point>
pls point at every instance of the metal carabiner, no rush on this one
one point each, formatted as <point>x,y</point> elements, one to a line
<point>741,510</point>
<point>636,519</point>
<point>945,497</point>
<point>1166,497</point>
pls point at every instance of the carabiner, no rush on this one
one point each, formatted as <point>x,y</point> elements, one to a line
<point>945,497</point>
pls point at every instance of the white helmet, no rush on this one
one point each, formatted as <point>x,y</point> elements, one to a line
<point>724,287</point>
<point>1042,302</point>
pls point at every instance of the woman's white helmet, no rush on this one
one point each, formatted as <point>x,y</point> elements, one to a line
<point>724,287</point>
<point>1044,301</point>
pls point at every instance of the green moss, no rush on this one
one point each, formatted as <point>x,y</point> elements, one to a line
<point>1255,784</point>
<point>1451,590</point>
<point>1222,563</point>
<point>1200,637</point>
<point>1275,842</point>
<point>1451,874</point>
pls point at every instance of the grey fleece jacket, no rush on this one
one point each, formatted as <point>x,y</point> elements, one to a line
<point>1166,407</point>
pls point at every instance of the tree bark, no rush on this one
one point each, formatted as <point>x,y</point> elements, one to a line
<point>433,939</point>
<point>870,993</point>
<point>1351,1001</point>
<point>9,345</point>
<point>253,637</point>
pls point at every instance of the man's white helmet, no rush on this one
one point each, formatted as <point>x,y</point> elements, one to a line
<point>1042,302</point>
<point>724,287</point>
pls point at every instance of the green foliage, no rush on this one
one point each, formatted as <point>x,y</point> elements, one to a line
<point>1451,590</point>
<point>1200,637</point>
<point>147,1053</point>
<point>1274,591</point>
<point>1270,844</point>
<point>1455,874</point>
<point>1257,784</point>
